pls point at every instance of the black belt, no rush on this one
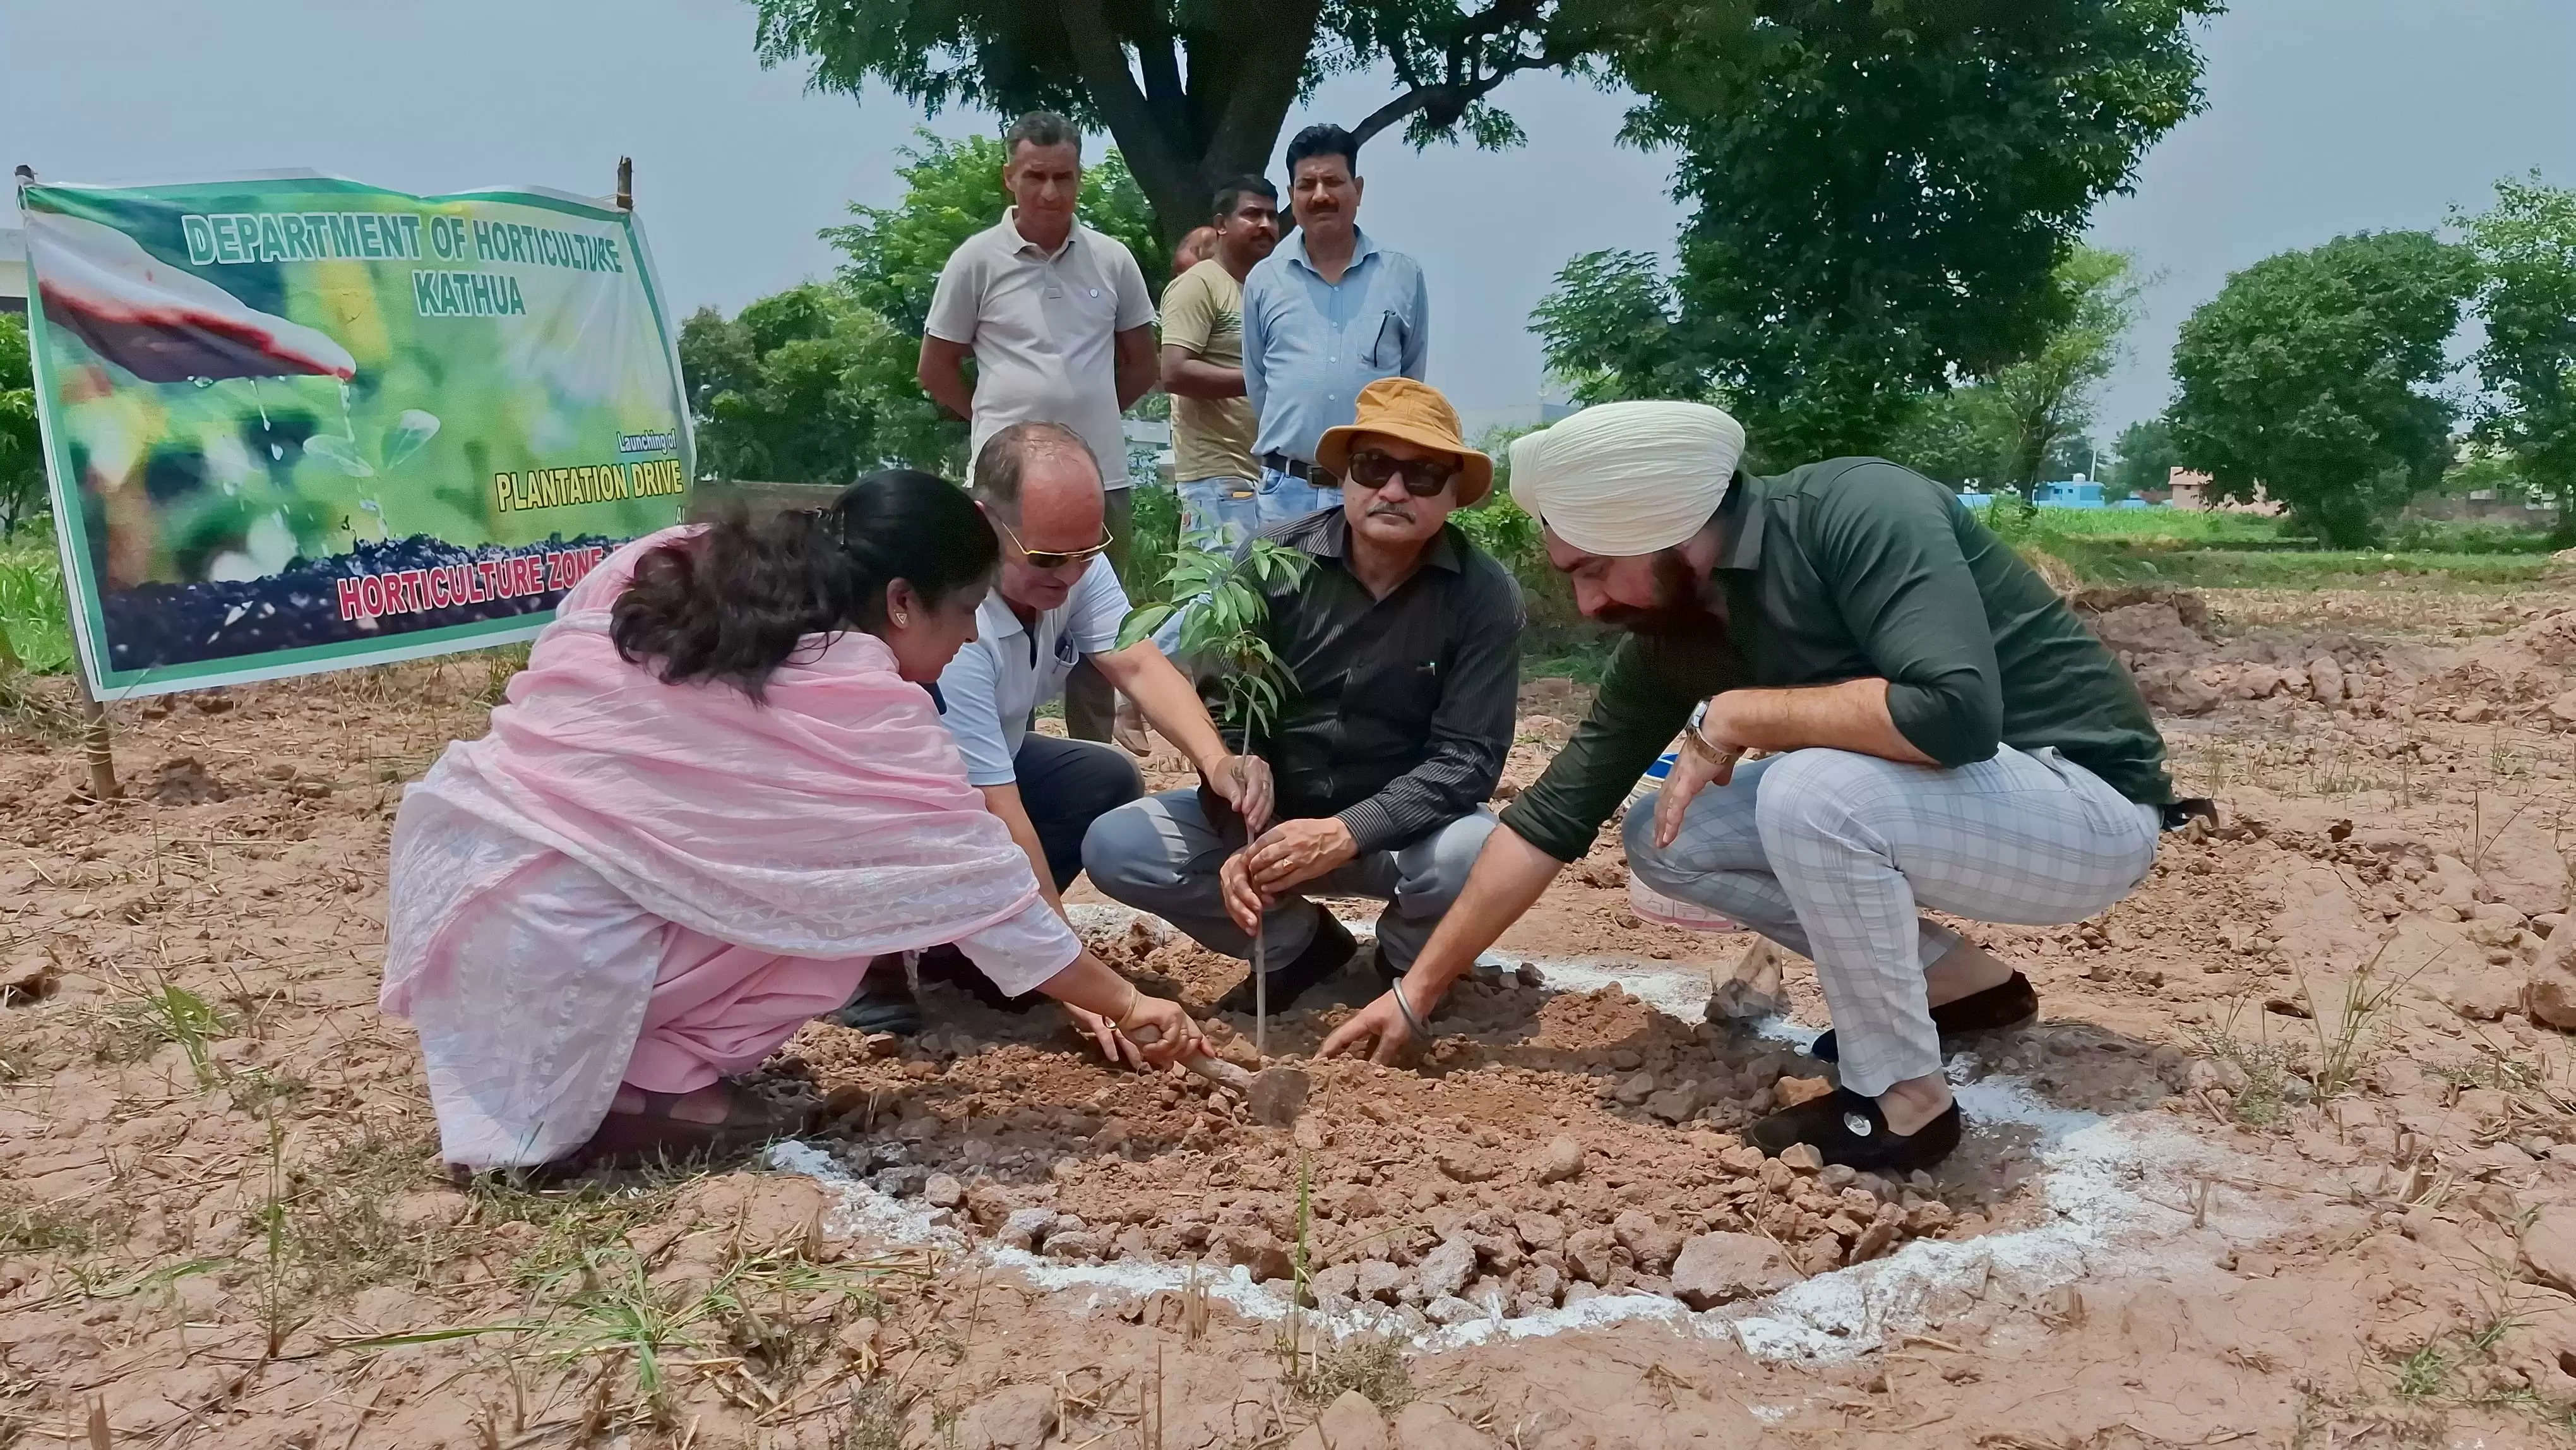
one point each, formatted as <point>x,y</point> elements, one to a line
<point>1299,469</point>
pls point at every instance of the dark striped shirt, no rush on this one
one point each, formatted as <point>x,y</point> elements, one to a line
<point>1401,709</point>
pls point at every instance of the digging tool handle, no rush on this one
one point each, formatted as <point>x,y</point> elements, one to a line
<point>1215,1070</point>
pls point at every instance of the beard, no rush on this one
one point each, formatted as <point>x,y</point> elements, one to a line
<point>1677,608</point>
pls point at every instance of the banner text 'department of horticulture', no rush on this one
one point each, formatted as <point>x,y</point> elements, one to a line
<point>304,424</point>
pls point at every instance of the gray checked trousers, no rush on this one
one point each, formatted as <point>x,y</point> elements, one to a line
<point>1832,854</point>
<point>1160,855</point>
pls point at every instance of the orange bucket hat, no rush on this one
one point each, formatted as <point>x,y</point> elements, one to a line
<point>1416,413</point>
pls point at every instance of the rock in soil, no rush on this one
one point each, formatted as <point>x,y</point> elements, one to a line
<point>1348,1423</point>
<point>1014,1417</point>
<point>1720,1268</point>
<point>2549,1248</point>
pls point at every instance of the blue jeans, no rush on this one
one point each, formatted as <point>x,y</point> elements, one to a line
<point>1218,514</point>
<point>1286,500</point>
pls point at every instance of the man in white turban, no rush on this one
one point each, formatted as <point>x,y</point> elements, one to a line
<point>1936,728</point>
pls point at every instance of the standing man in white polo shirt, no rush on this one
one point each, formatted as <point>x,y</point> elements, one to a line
<point>1060,325</point>
<point>1055,601</point>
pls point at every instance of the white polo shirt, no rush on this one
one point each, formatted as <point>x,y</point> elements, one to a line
<point>989,691</point>
<point>1044,327</point>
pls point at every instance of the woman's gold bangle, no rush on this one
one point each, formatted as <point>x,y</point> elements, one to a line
<point>1135,999</point>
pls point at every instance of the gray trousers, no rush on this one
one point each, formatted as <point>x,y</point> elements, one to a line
<point>1831,854</point>
<point>1160,855</point>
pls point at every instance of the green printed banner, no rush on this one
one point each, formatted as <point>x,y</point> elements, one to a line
<point>300,424</point>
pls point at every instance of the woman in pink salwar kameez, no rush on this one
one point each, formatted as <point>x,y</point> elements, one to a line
<point>718,792</point>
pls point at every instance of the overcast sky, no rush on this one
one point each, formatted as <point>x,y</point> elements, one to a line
<point>2325,116</point>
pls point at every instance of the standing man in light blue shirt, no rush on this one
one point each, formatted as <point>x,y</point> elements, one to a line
<point>1327,314</point>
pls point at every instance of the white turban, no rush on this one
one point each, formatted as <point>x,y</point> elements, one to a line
<point>1623,479</point>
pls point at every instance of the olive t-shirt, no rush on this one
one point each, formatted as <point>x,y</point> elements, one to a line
<point>1211,437</point>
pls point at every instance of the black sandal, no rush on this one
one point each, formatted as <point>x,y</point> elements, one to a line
<point>626,1140</point>
<point>2006,1005</point>
<point>1846,1128</point>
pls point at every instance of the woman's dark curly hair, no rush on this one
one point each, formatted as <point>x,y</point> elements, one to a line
<point>731,603</point>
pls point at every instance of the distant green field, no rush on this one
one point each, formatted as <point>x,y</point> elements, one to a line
<point>2152,524</point>
<point>31,599</point>
<point>2247,551</point>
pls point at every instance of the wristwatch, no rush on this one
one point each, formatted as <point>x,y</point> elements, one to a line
<point>1701,746</point>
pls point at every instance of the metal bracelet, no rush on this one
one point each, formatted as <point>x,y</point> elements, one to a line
<point>1419,1028</point>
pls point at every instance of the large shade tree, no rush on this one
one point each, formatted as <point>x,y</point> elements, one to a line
<point>2526,244</point>
<point>1884,195</point>
<point>1195,91</point>
<point>2313,377</point>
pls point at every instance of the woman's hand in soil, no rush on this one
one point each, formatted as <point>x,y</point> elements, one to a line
<point>1164,1030</point>
<point>1243,781</point>
<point>1292,853</point>
<point>1115,1045</point>
<point>1378,1029</point>
<point>1244,902</point>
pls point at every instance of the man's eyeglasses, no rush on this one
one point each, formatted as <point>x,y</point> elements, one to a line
<point>1423,477</point>
<point>1053,558</point>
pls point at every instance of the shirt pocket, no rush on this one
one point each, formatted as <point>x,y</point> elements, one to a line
<point>1386,350</point>
<point>1397,695</point>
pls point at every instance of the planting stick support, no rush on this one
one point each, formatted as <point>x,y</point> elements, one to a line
<point>96,746</point>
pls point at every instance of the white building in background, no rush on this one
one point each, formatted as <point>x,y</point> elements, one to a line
<point>13,270</point>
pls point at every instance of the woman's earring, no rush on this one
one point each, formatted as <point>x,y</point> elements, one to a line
<point>903,621</point>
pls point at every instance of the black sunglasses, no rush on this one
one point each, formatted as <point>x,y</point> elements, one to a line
<point>1423,477</point>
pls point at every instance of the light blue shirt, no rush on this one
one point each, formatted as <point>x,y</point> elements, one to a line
<point>1310,345</point>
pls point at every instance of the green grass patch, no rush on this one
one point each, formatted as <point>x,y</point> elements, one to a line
<point>2098,560</point>
<point>31,599</point>
<point>2174,528</point>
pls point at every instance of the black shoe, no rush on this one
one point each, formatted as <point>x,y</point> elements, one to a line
<point>1330,951</point>
<point>949,965</point>
<point>883,1003</point>
<point>2008,1004</point>
<point>1847,1128</point>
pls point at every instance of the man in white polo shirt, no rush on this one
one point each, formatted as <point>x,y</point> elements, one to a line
<point>1060,325</point>
<point>1055,603</point>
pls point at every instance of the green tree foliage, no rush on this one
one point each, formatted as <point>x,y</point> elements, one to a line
<point>807,386</point>
<point>2045,400</point>
<point>1884,192</point>
<point>952,190</point>
<point>1958,437</point>
<point>2526,245</point>
<point>1194,92</point>
<point>2026,423</point>
<point>2310,377</point>
<point>815,384</point>
<point>22,451</point>
<point>2145,458</point>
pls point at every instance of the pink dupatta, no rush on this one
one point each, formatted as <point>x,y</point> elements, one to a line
<point>834,820</point>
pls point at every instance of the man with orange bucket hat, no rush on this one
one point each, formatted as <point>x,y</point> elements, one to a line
<point>1402,649</point>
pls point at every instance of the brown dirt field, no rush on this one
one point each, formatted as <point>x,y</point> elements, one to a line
<point>2289,1160</point>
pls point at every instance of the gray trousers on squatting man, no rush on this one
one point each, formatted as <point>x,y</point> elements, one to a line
<point>1160,855</point>
<point>1832,854</point>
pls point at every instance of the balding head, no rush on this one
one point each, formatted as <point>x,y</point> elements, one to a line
<point>1039,483</point>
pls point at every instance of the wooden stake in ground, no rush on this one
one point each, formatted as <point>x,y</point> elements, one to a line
<point>95,744</point>
<point>1260,992</point>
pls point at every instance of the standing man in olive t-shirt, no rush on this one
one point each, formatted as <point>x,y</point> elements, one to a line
<point>1942,731</point>
<point>1202,368</point>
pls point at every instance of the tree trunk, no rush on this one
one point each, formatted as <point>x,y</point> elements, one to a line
<point>1243,72</point>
